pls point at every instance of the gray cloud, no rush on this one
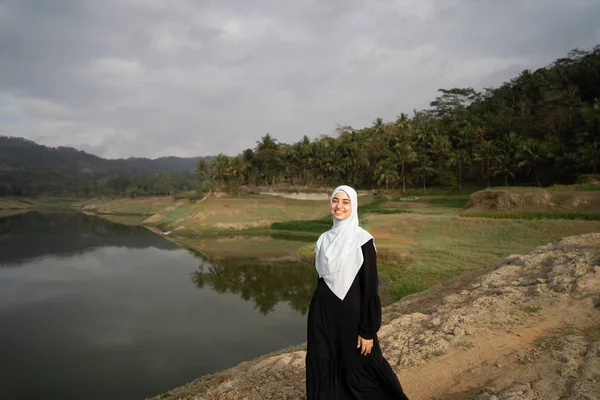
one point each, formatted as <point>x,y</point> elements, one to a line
<point>126,78</point>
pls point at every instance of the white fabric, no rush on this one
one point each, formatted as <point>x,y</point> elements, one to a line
<point>339,255</point>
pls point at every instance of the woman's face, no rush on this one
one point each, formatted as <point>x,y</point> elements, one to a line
<point>340,206</point>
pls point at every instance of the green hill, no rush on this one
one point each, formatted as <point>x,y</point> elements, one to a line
<point>30,169</point>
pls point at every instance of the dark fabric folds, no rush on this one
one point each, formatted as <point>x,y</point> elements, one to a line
<point>335,369</point>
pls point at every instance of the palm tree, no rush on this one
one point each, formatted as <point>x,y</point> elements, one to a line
<point>590,156</point>
<point>219,168</point>
<point>202,167</point>
<point>459,158</point>
<point>302,158</point>
<point>404,153</point>
<point>589,146</point>
<point>267,157</point>
<point>378,126</point>
<point>354,156</point>
<point>533,153</point>
<point>423,128</point>
<point>267,142</point>
<point>486,153</point>
<point>385,171</point>
<point>248,158</point>
<point>504,165</point>
<point>510,146</point>
<point>424,168</point>
<point>237,169</point>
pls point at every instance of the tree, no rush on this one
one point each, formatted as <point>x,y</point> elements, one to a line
<point>424,168</point>
<point>267,158</point>
<point>588,141</point>
<point>247,157</point>
<point>202,168</point>
<point>453,101</point>
<point>590,156</point>
<point>533,153</point>
<point>385,171</point>
<point>220,169</point>
<point>354,156</point>
<point>459,158</point>
<point>544,122</point>
<point>404,152</point>
<point>486,152</point>
<point>505,166</point>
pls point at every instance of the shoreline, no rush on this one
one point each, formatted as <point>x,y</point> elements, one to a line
<point>468,337</point>
<point>425,246</point>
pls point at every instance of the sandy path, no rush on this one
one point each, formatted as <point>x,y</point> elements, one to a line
<point>464,371</point>
<point>529,329</point>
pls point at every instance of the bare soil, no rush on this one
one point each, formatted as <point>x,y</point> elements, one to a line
<point>527,329</point>
<point>534,200</point>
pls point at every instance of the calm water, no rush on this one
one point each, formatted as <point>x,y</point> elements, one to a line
<point>96,310</point>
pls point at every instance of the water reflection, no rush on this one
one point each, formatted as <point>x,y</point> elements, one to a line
<point>99,310</point>
<point>34,234</point>
<point>265,283</point>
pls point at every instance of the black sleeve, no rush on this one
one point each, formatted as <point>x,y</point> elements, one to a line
<point>370,309</point>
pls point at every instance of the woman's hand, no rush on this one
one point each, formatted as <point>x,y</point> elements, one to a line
<point>365,345</point>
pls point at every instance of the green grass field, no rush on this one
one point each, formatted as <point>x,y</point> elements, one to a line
<point>421,242</point>
<point>434,243</point>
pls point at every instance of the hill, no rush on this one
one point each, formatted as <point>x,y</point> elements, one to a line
<point>29,169</point>
<point>19,153</point>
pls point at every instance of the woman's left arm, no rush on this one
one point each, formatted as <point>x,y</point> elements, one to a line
<point>370,313</point>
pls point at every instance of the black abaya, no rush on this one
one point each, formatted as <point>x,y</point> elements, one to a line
<point>335,369</point>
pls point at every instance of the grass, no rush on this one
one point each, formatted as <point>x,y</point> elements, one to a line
<point>530,215</point>
<point>235,213</point>
<point>457,201</point>
<point>379,206</point>
<point>20,203</point>
<point>436,191</point>
<point>323,224</point>
<point>589,187</point>
<point>13,204</point>
<point>385,210</point>
<point>126,206</point>
<point>420,243</point>
<point>313,226</point>
<point>433,243</point>
<point>417,251</point>
<point>189,195</point>
<point>241,246</point>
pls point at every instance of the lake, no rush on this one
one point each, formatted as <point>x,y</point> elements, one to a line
<point>97,310</point>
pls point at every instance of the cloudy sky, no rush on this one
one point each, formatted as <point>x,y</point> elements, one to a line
<point>122,78</point>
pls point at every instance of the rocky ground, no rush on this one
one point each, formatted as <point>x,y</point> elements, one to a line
<point>528,329</point>
<point>564,200</point>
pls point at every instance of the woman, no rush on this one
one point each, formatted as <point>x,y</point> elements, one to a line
<point>344,360</point>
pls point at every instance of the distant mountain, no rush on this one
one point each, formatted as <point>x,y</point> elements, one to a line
<point>31,169</point>
<point>23,154</point>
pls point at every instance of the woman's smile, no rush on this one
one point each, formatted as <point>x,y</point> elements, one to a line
<point>341,207</point>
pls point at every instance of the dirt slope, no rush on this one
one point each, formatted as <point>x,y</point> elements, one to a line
<point>534,200</point>
<point>529,329</point>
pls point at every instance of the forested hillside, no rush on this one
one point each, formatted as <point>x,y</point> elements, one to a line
<point>540,128</point>
<point>30,169</point>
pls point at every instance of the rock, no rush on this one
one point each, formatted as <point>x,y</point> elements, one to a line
<point>486,396</point>
<point>566,271</point>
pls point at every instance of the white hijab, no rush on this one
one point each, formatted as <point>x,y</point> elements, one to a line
<point>339,255</point>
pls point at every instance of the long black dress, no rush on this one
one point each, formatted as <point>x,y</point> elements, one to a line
<point>335,369</point>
